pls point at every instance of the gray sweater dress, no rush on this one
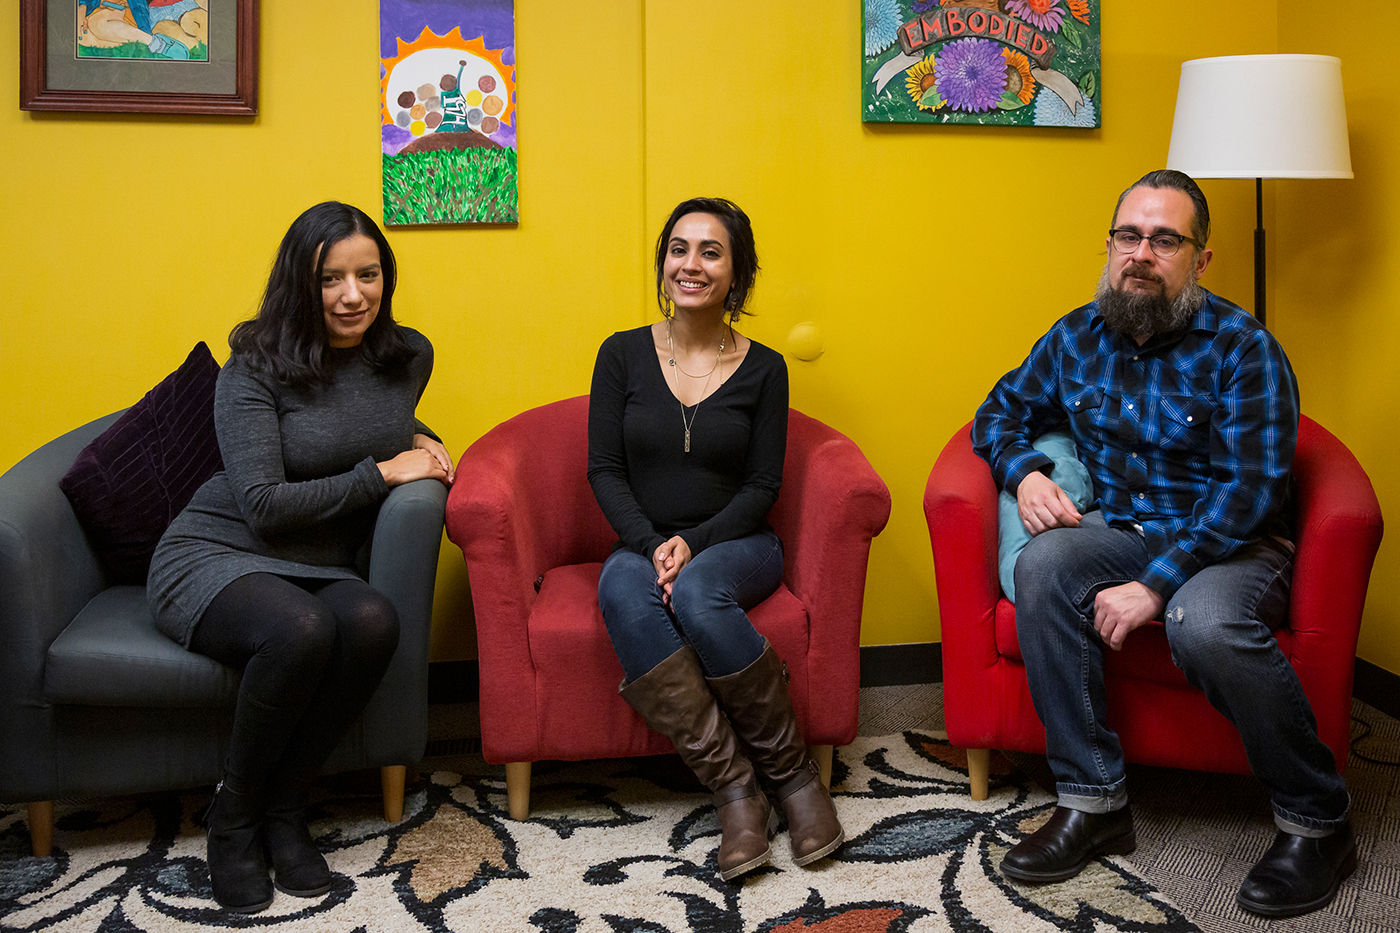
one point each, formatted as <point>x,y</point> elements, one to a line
<point>300,489</point>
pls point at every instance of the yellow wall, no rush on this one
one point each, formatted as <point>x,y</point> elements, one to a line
<point>1334,267</point>
<point>931,257</point>
<point>98,209</point>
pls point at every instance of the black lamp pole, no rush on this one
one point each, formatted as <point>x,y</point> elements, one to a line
<point>1259,249</point>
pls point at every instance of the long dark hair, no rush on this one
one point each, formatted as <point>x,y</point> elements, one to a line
<point>287,338</point>
<point>743,254</point>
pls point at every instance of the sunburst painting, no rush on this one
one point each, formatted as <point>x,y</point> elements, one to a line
<point>993,62</point>
<point>447,107</point>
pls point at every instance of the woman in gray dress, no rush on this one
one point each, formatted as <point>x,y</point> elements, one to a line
<point>315,417</point>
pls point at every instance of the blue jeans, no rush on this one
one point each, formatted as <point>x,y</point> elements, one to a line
<point>1219,625</point>
<point>708,600</point>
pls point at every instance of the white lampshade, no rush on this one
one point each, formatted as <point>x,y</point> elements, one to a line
<point>1261,116</point>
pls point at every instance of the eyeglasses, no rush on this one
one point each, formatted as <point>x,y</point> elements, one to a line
<point>1164,245</point>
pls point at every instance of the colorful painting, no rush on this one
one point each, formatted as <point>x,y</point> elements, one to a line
<point>447,102</point>
<point>990,62</point>
<point>172,30</point>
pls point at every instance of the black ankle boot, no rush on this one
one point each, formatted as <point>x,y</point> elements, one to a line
<point>237,869</point>
<point>1298,874</point>
<point>299,868</point>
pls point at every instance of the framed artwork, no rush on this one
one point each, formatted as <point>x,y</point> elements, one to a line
<point>447,111</point>
<point>990,62</point>
<point>139,56</point>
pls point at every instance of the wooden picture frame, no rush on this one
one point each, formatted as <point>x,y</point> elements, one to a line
<point>983,63</point>
<point>36,92</point>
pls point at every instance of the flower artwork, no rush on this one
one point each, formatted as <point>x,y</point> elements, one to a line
<point>971,75</point>
<point>990,62</point>
<point>447,109</point>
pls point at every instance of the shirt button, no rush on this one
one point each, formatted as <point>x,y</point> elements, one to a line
<point>1189,418</point>
<point>1142,495</point>
<point>1134,359</point>
<point>1076,403</point>
<point>1130,406</point>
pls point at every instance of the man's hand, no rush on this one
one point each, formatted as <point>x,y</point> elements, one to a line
<point>1120,609</point>
<point>1043,505</point>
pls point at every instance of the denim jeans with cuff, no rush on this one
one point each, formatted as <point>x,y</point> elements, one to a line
<point>1219,626</point>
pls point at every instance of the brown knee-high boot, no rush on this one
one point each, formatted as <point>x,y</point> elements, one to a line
<point>674,700</point>
<point>757,703</point>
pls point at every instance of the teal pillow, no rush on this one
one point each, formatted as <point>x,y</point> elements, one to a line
<point>1071,475</point>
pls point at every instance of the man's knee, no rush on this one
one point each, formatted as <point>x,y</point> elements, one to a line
<point>1186,623</point>
<point>1043,563</point>
<point>1207,642</point>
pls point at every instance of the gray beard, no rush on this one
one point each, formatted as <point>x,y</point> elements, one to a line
<point>1140,316</point>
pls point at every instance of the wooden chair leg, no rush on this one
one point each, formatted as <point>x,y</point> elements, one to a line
<point>821,754</point>
<point>518,789</point>
<point>979,764</point>
<point>391,779</point>
<point>41,827</point>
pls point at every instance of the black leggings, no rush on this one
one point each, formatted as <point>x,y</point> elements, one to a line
<point>312,654</point>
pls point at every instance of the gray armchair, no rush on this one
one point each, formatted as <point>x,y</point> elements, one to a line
<point>94,701</point>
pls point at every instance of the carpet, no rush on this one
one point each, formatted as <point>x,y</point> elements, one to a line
<point>611,846</point>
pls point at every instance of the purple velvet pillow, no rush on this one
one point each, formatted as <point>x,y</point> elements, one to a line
<point>133,479</point>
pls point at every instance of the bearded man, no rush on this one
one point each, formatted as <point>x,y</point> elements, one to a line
<point>1185,411</point>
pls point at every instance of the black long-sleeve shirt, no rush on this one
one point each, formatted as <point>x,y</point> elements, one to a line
<point>649,488</point>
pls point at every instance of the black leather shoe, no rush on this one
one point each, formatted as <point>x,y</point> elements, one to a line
<point>1061,848</point>
<point>1298,874</point>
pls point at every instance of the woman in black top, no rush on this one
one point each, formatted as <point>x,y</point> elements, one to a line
<point>314,412</point>
<point>687,429</point>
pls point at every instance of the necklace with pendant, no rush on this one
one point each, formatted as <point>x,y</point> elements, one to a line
<point>677,371</point>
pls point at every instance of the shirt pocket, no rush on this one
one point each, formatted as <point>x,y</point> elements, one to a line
<point>1080,398</point>
<point>1085,405</point>
<point>1183,423</point>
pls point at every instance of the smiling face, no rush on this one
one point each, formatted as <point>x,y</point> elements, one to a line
<point>699,268</point>
<point>352,282</point>
<point>1150,211</point>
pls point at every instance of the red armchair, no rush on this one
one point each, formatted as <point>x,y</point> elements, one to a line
<point>1160,718</point>
<point>535,540</point>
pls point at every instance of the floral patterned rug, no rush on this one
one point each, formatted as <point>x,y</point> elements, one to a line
<point>611,846</point>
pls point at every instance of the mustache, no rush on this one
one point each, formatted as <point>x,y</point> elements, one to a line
<point>1139,271</point>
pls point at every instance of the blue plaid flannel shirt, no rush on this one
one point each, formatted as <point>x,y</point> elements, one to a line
<point>1190,436</point>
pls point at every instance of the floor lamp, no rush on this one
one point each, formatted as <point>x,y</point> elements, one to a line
<point>1261,116</point>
